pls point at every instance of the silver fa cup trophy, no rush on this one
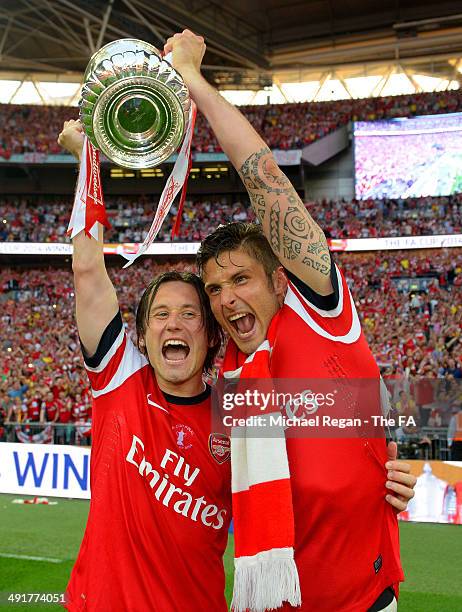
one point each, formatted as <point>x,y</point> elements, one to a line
<point>134,106</point>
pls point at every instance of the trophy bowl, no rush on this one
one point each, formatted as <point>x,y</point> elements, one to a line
<point>134,105</point>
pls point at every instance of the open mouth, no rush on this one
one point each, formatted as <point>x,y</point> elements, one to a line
<point>175,350</point>
<point>243,323</point>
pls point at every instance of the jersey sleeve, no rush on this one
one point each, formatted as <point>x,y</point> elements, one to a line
<point>325,302</point>
<point>115,360</point>
<point>333,316</point>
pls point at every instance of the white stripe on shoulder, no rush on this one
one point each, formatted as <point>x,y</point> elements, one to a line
<point>131,362</point>
<point>294,301</point>
<point>109,355</point>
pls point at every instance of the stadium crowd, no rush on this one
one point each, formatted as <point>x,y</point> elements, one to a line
<point>373,218</point>
<point>415,333</point>
<point>417,329</point>
<point>45,218</point>
<point>33,129</point>
<point>42,377</point>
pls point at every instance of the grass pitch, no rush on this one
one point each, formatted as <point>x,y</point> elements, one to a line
<point>431,556</point>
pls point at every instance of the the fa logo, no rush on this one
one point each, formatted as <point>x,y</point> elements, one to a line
<point>183,436</point>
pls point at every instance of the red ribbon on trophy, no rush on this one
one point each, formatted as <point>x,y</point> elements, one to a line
<point>89,206</point>
<point>179,214</point>
<point>177,180</point>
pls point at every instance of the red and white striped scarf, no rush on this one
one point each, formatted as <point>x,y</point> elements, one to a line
<point>266,575</point>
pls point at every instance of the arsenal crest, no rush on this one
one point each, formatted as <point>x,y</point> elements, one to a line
<point>220,447</point>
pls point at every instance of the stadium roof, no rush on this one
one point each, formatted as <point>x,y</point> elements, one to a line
<point>250,42</point>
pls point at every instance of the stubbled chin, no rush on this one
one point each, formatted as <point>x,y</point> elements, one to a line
<point>247,346</point>
<point>176,374</point>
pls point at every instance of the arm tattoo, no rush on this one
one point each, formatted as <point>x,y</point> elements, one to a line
<point>258,204</point>
<point>260,171</point>
<point>316,265</point>
<point>270,190</point>
<point>292,248</point>
<point>316,242</point>
<point>276,180</point>
<point>295,222</point>
<point>275,216</point>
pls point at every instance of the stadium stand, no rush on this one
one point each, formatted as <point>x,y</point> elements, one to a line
<point>45,218</point>
<point>33,129</point>
<point>415,334</point>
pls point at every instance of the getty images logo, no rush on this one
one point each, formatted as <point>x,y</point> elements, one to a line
<point>165,492</point>
<point>305,404</point>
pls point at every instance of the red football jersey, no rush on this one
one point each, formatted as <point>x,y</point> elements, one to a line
<point>65,414</point>
<point>50,410</point>
<point>160,495</point>
<point>33,410</point>
<point>79,411</point>
<point>346,534</point>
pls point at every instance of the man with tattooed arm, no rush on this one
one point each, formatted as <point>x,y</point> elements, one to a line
<point>275,290</point>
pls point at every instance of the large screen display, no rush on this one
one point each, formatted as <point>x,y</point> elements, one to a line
<point>410,157</point>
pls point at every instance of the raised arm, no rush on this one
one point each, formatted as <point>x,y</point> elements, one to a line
<point>295,238</point>
<point>95,296</point>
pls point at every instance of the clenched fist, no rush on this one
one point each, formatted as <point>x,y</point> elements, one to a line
<point>71,137</point>
<point>187,52</point>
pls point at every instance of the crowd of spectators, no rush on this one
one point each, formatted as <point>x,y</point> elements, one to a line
<point>42,378</point>
<point>411,331</point>
<point>373,218</point>
<point>410,302</point>
<point>45,218</point>
<point>33,129</point>
<point>413,334</point>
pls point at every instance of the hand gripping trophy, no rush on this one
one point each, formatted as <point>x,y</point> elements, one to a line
<point>136,110</point>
